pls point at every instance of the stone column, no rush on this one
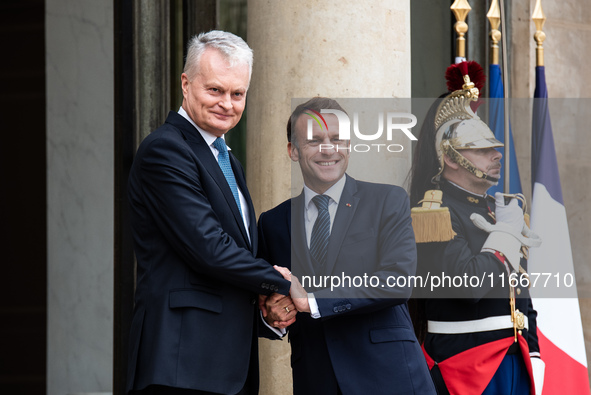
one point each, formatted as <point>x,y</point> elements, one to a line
<point>80,118</point>
<point>340,49</point>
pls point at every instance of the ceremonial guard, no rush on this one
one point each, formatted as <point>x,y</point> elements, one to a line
<point>473,310</point>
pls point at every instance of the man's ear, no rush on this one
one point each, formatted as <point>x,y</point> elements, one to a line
<point>450,163</point>
<point>293,152</point>
<point>184,83</point>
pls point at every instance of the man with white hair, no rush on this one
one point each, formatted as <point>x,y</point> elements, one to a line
<point>194,328</point>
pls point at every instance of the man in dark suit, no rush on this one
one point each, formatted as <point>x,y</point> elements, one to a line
<point>349,339</point>
<point>194,328</point>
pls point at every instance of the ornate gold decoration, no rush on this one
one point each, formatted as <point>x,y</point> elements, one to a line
<point>461,8</point>
<point>520,197</point>
<point>512,304</point>
<point>432,199</point>
<point>494,17</point>
<point>519,319</point>
<point>431,222</point>
<point>539,18</point>
<point>448,149</point>
<point>456,106</point>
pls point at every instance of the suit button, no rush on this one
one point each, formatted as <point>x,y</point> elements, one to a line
<point>518,290</point>
<point>265,286</point>
<point>275,288</point>
<point>348,307</point>
<point>253,301</point>
<point>335,309</point>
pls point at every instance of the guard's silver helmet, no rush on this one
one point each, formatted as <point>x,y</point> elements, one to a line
<point>459,128</point>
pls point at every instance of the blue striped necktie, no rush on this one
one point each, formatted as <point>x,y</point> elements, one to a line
<point>224,162</point>
<point>321,229</point>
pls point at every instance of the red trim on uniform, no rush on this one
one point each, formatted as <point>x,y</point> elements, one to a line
<point>469,372</point>
<point>500,256</point>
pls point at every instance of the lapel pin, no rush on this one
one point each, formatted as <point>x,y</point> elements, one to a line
<point>348,204</point>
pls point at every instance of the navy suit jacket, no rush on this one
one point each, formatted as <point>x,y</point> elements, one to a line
<point>196,312</point>
<point>364,340</point>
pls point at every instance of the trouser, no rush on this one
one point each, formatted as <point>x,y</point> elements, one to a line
<point>511,378</point>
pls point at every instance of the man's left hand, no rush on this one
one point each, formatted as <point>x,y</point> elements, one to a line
<point>278,310</point>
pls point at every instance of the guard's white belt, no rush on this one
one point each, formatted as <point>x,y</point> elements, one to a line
<point>481,325</point>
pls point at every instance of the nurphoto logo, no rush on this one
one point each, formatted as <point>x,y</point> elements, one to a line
<point>390,119</point>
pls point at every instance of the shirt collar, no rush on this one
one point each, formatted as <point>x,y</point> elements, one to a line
<point>463,195</point>
<point>208,137</point>
<point>334,192</point>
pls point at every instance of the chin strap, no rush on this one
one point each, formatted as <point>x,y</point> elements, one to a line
<point>461,160</point>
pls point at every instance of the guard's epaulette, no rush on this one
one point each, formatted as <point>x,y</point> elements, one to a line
<point>431,222</point>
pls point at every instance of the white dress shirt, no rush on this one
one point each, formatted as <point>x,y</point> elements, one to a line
<point>310,215</point>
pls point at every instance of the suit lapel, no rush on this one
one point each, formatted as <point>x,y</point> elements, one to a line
<point>203,152</point>
<point>240,180</point>
<point>345,212</point>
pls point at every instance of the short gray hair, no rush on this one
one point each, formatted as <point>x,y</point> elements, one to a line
<point>231,46</point>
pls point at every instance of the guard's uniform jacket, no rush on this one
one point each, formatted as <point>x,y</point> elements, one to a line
<point>467,355</point>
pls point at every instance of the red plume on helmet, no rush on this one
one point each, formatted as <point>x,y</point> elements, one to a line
<point>454,75</point>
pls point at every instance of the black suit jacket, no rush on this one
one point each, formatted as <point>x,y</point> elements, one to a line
<point>364,341</point>
<point>195,316</point>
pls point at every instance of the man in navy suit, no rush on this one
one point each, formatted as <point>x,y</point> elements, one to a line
<point>348,339</point>
<point>195,322</point>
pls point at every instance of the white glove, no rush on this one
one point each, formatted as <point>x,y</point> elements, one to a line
<point>510,214</point>
<point>509,233</point>
<point>538,366</point>
<point>502,238</point>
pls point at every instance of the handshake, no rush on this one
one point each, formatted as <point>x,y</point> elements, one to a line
<point>280,311</point>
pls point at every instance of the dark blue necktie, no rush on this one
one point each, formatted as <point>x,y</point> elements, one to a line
<point>321,229</point>
<point>224,162</point>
